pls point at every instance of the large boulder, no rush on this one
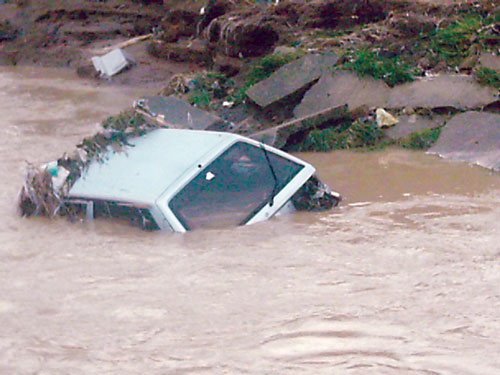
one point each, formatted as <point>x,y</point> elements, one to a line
<point>473,137</point>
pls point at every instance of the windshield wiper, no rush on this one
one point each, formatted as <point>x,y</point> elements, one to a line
<point>275,187</point>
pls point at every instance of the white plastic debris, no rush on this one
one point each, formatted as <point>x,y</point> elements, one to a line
<point>112,62</point>
<point>57,173</point>
<point>385,119</point>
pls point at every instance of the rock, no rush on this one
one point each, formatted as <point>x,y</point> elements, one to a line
<point>341,89</point>
<point>279,135</point>
<point>194,51</point>
<point>490,61</point>
<point>173,112</point>
<point>385,119</point>
<point>413,123</point>
<point>289,79</point>
<point>456,91</point>
<point>472,137</point>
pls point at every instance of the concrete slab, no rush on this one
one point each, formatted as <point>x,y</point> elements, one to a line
<point>345,88</point>
<point>279,135</point>
<point>473,137</point>
<point>290,78</point>
<point>450,90</point>
<point>173,112</point>
<point>413,123</point>
<point>490,61</point>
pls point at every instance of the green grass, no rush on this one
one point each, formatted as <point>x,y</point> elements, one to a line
<point>420,140</point>
<point>454,41</point>
<point>392,70</point>
<point>356,135</point>
<point>209,87</point>
<point>260,70</point>
<point>488,77</point>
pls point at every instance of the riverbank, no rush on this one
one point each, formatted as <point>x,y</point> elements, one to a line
<point>423,62</point>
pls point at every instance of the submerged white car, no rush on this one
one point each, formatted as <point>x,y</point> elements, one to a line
<point>179,180</point>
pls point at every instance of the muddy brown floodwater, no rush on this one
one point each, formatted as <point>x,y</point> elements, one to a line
<point>403,278</point>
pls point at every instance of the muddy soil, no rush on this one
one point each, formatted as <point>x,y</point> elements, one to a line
<point>68,33</point>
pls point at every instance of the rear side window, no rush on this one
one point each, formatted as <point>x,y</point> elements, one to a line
<point>233,187</point>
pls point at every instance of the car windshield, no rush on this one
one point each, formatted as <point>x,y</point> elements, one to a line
<point>235,186</point>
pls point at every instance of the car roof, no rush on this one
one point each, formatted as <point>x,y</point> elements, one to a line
<point>140,172</point>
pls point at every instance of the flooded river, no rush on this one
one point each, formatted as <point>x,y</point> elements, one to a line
<point>403,278</point>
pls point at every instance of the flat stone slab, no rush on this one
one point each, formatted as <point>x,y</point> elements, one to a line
<point>278,136</point>
<point>345,88</point>
<point>472,137</point>
<point>173,112</point>
<point>456,91</point>
<point>290,78</point>
<point>490,61</point>
<point>413,123</point>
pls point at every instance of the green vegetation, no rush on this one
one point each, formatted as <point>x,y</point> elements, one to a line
<point>488,77</point>
<point>363,135</point>
<point>355,135</point>
<point>117,130</point>
<point>453,42</point>
<point>472,32</point>
<point>260,70</point>
<point>212,86</point>
<point>124,121</point>
<point>420,140</point>
<point>391,69</point>
<point>209,87</point>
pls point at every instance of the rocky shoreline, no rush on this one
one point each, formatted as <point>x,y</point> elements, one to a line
<point>302,75</point>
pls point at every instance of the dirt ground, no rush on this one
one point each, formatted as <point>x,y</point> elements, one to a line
<point>67,33</point>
